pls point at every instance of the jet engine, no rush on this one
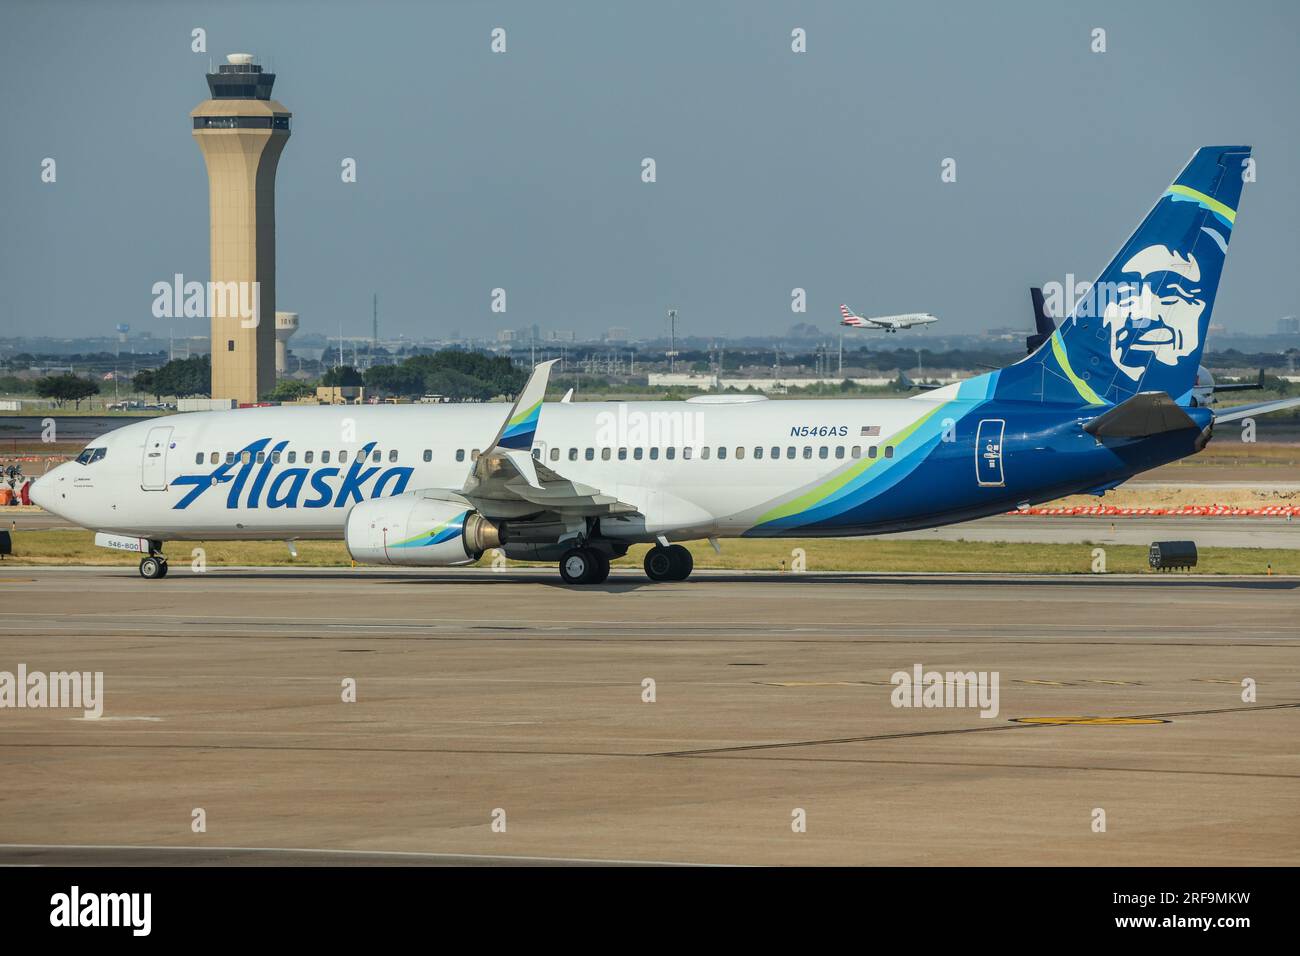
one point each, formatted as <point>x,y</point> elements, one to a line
<point>420,529</point>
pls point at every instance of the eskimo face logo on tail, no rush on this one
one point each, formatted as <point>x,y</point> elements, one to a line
<point>252,484</point>
<point>1158,315</point>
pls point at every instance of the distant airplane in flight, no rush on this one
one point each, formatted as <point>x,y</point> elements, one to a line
<point>890,323</point>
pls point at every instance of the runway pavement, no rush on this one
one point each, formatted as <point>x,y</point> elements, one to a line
<point>508,698</point>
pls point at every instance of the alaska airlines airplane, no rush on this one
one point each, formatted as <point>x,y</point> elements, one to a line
<point>1106,395</point>
<point>890,323</point>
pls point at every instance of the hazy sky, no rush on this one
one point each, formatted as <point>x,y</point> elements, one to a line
<point>522,170</point>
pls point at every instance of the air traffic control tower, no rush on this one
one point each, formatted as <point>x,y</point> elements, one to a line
<point>241,131</point>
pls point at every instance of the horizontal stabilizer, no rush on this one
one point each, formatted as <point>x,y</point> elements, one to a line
<point>1147,413</point>
<point>1263,408</point>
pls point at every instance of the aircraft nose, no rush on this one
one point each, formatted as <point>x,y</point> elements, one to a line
<point>36,492</point>
<point>44,489</point>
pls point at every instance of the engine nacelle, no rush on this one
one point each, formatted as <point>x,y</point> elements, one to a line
<point>420,529</point>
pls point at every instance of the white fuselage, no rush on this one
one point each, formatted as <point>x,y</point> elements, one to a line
<point>152,480</point>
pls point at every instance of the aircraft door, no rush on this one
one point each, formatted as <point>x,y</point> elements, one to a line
<point>988,453</point>
<point>153,467</point>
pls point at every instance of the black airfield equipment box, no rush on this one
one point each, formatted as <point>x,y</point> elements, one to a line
<point>1166,555</point>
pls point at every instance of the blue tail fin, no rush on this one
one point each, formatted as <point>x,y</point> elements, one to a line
<point>1142,325</point>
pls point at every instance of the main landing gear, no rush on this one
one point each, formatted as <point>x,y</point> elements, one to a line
<point>673,563</point>
<point>154,566</point>
<point>588,565</point>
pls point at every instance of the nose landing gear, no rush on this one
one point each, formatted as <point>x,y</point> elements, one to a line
<point>155,565</point>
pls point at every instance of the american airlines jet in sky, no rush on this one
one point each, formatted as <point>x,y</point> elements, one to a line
<point>890,323</point>
<point>1106,395</point>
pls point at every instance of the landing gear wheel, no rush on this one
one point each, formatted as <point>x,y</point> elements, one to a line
<point>583,566</point>
<point>600,572</point>
<point>683,562</point>
<point>152,567</point>
<point>673,563</point>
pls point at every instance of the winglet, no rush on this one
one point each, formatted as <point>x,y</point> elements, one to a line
<point>521,425</point>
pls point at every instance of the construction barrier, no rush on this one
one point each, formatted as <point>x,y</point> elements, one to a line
<point>1180,511</point>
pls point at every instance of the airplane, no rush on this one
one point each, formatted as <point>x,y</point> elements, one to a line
<point>1205,390</point>
<point>1101,399</point>
<point>890,323</point>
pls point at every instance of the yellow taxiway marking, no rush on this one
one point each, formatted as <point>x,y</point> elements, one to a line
<point>1090,721</point>
<point>812,683</point>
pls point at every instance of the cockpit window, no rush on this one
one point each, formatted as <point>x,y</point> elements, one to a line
<point>89,456</point>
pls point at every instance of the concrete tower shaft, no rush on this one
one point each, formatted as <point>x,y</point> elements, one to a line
<point>242,132</point>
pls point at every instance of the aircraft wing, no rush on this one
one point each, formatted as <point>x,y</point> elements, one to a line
<point>1242,386</point>
<point>507,482</point>
<point>1262,408</point>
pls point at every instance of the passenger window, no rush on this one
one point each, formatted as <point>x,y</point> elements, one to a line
<point>275,458</point>
<point>758,452</point>
<point>637,453</point>
<point>722,452</point>
<point>460,454</point>
<point>428,454</point>
<point>376,455</point>
<point>473,455</point>
<point>604,454</point>
<point>214,458</point>
<point>392,455</point>
<point>807,451</point>
<point>687,453</point>
<point>856,451</point>
<point>823,452</point>
<point>705,452</point>
<point>261,457</point>
<point>789,452</point>
<point>198,459</point>
<point>871,452</point>
<point>839,451</point>
<point>325,458</point>
<point>671,453</point>
<point>293,456</point>
<point>889,451</point>
<point>622,454</point>
<point>230,458</point>
<point>573,454</point>
<point>590,454</point>
<point>740,452</point>
<point>776,451</point>
<point>654,454</point>
<point>245,457</point>
<point>555,454</point>
<point>307,457</point>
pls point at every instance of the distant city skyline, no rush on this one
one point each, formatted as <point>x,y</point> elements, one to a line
<point>523,170</point>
